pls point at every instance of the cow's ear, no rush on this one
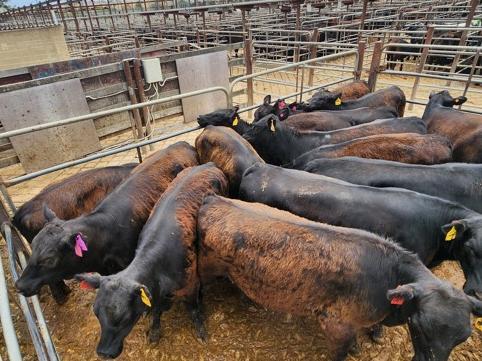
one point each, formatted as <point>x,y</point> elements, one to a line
<point>402,294</point>
<point>284,114</point>
<point>460,100</point>
<point>89,280</point>
<point>49,214</point>
<point>267,100</point>
<point>454,229</point>
<point>476,306</point>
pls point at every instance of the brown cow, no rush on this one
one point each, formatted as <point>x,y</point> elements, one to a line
<point>165,265</point>
<point>229,151</point>
<point>333,120</point>
<point>69,198</point>
<point>403,147</point>
<point>348,279</point>
<point>463,129</point>
<point>278,144</point>
<point>105,239</point>
<point>353,90</point>
<point>392,96</point>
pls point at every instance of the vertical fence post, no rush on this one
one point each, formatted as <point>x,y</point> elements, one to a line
<point>375,65</point>
<point>137,125</point>
<point>361,57</point>
<point>248,60</point>
<point>423,60</point>
<point>362,20</point>
<point>472,71</point>
<point>313,51</point>
<point>142,98</point>
<point>463,37</point>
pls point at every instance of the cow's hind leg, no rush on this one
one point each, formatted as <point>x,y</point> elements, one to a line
<point>194,306</point>
<point>341,338</point>
<point>60,291</point>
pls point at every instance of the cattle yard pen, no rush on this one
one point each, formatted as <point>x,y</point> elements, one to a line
<point>288,49</point>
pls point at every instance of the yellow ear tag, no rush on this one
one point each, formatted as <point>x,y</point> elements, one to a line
<point>451,234</point>
<point>478,323</point>
<point>338,101</point>
<point>272,128</point>
<point>235,121</point>
<point>145,299</point>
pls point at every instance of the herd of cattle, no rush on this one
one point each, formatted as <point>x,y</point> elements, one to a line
<point>333,208</point>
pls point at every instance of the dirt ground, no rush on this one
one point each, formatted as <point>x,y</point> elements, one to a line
<point>238,329</point>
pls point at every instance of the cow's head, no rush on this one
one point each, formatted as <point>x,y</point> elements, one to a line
<point>445,99</point>
<point>265,109</point>
<point>323,100</point>
<point>438,316</point>
<point>222,117</point>
<point>263,130</point>
<point>56,254</point>
<point>464,237</point>
<point>119,304</point>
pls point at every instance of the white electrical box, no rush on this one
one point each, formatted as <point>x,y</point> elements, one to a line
<point>152,70</point>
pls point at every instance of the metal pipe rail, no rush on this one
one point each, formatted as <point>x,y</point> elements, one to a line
<point>110,112</point>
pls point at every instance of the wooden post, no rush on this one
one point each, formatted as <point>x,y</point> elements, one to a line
<point>88,14</point>
<point>423,59</point>
<point>110,12</point>
<point>362,20</point>
<point>96,15</point>
<point>248,60</point>
<point>137,125</point>
<point>127,14</point>
<point>204,28</point>
<point>375,65</point>
<point>472,71</point>
<point>142,98</point>
<point>76,21</point>
<point>361,56</point>
<point>59,5</point>
<point>313,52</point>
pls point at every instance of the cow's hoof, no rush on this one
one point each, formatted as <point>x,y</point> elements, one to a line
<point>355,349</point>
<point>60,293</point>
<point>201,333</point>
<point>376,334</point>
<point>154,336</point>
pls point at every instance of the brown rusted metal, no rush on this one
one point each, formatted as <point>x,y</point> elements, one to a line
<point>142,97</point>
<point>375,65</point>
<point>361,57</point>
<point>137,124</point>
<point>313,51</point>
<point>248,60</point>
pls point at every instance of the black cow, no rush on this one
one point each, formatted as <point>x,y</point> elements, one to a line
<point>279,144</point>
<point>105,239</point>
<point>392,96</point>
<point>224,118</point>
<point>434,228</point>
<point>165,265</point>
<point>348,279</point>
<point>458,182</point>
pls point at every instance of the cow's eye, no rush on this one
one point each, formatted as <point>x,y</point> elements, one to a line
<point>49,262</point>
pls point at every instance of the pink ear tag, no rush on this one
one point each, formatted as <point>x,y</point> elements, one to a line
<point>79,245</point>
